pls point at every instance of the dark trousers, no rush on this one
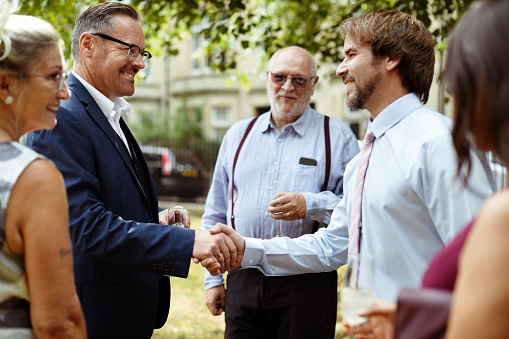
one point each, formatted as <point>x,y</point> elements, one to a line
<point>296,306</point>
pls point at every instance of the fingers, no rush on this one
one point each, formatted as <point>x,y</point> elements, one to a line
<point>234,241</point>
<point>163,217</point>
<point>215,299</point>
<point>186,218</point>
<point>290,206</point>
<point>210,265</point>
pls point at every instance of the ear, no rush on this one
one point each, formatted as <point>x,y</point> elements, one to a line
<point>391,64</point>
<point>315,80</point>
<point>6,83</point>
<point>87,44</point>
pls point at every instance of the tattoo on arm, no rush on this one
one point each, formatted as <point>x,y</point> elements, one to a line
<point>64,253</point>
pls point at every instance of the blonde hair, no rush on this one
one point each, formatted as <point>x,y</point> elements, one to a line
<point>23,41</point>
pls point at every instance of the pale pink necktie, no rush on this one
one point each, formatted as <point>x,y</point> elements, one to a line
<point>356,216</point>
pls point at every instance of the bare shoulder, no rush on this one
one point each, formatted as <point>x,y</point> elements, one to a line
<point>40,175</point>
<point>495,212</point>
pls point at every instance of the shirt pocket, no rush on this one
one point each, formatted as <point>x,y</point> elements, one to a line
<point>304,178</point>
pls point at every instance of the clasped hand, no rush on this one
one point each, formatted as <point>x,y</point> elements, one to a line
<point>219,250</point>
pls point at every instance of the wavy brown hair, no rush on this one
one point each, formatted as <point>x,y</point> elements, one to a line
<point>477,73</point>
<point>399,36</point>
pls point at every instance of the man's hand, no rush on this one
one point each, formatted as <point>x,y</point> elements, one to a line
<point>215,299</point>
<point>288,206</point>
<point>380,324</point>
<point>235,262</point>
<point>216,249</point>
<point>166,215</point>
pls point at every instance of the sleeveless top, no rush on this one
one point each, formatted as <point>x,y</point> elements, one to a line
<point>14,302</point>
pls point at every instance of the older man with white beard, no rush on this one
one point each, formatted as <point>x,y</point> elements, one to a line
<point>294,143</point>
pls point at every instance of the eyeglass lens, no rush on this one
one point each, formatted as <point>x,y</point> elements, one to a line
<point>133,53</point>
<point>60,81</point>
<point>280,79</point>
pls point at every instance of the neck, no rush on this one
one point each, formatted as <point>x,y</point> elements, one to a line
<point>5,136</point>
<point>384,100</point>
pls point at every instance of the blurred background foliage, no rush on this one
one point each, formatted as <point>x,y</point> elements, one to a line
<point>267,24</point>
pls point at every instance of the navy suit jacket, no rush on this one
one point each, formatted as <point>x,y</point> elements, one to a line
<point>120,251</point>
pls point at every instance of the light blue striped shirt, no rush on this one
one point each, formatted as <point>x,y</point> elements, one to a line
<point>413,204</point>
<point>268,155</point>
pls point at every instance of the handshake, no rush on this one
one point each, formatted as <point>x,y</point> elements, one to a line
<point>219,250</point>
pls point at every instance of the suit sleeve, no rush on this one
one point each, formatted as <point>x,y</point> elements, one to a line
<point>108,219</point>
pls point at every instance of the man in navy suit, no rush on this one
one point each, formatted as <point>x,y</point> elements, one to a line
<point>122,255</point>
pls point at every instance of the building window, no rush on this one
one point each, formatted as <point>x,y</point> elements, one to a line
<point>221,116</point>
<point>220,121</point>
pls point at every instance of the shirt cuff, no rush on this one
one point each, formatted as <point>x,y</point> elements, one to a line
<point>317,207</point>
<point>210,281</point>
<point>253,252</point>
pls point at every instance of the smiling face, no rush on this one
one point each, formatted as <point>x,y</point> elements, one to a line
<point>361,73</point>
<point>108,69</point>
<point>287,102</point>
<point>40,97</point>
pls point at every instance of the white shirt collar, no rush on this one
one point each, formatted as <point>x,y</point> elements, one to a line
<point>108,107</point>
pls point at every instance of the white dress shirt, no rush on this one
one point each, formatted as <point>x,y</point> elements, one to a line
<point>112,109</point>
<point>413,204</point>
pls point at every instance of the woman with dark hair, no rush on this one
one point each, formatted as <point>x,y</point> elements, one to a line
<point>478,76</point>
<point>37,294</point>
<point>474,264</point>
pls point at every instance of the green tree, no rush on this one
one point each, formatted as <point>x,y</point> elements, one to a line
<point>270,24</point>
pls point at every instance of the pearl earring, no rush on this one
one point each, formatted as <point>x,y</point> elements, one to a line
<point>9,100</point>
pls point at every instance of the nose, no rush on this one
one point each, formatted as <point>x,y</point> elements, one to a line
<point>342,69</point>
<point>288,85</point>
<point>64,92</point>
<point>138,62</point>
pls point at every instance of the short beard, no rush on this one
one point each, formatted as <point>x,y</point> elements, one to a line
<point>361,96</point>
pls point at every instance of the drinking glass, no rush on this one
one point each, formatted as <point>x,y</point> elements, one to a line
<point>280,188</point>
<point>356,294</point>
<point>176,216</point>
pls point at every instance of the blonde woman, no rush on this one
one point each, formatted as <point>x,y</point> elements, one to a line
<point>37,293</point>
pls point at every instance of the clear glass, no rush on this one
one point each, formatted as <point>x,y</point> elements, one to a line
<point>356,294</point>
<point>280,189</point>
<point>176,216</point>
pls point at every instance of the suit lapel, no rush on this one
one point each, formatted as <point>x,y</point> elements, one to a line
<point>104,126</point>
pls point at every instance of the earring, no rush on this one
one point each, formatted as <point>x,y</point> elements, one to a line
<point>9,100</point>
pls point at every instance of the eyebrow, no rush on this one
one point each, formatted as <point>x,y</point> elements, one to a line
<point>349,50</point>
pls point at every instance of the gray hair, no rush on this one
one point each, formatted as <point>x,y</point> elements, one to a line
<point>23,41</point>
<point>98,19</point>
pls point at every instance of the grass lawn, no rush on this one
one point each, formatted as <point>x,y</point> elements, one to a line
<point>189,316</point>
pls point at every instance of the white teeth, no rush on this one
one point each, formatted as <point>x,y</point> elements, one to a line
<point>54,108</point>
<point>128,75</point>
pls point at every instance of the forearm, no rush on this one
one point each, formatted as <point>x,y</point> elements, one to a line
<point>311,253</point>
<point>67,323</point>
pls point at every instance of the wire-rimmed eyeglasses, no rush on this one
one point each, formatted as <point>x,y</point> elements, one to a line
<point>59,79</point>
<point>132,52</point>
<point>298,82</point>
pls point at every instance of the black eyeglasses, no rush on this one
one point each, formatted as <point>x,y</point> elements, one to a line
<point>133,51</point>
<point>298,82</point>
